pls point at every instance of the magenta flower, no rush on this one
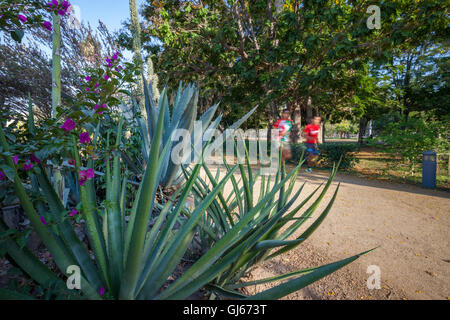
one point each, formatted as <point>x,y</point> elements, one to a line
<point>106,77</point>
<point>90,173</point>
<point>65,5</point>
<point>96,85</point>
<point>47,25</point>
<point>86,175</point>
<point>15,159</point>
<point>88,78</point>
<point>28,165</point>
<point>54,3</point>
<point>72,162</point>
<point>2,176</point>
<point>88,89</point>
<point>115,56</point>
<point>22,18</point>
<point>69,125</point>
<point>35,159</point>
<point>43,221</point>
<point>73,213</point>
<point>85,138</point>
<point>101,291</point>
<point>108,60</point>
<point>102,107</point>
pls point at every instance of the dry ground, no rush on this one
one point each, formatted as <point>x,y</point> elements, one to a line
<point>409,224</point>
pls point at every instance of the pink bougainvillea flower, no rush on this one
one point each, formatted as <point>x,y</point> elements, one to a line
<point>106,77</point>
<point>47,25</point>
<point>115,56</point>
<point>35,159</point>
<point>88,89</point>
<point>85,138</point>
<point>101,291</point>
<point>22,18</point>
<point>96,85</point>
<point>65,5</point>
<point>90,173</point>
<point>87,78</point>
<point>28,165</point>
<point>15,159</point>
<point>108,60</point>
<point>54,3</point>
<point>73,213</point>
<point>2,176</point>
<point>100,109</point>
<point>86,175</point>
<point>82,181</point>
<point>69,125</point>
<point>43,220</point>
<point>72,162</point>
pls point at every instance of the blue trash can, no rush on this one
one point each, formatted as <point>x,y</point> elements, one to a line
<point>429,169</point>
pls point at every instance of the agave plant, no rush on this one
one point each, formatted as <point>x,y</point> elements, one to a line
<point>134,259</point>
<point>257,227</point>
<point>183,116</point>
<point>125,271</point>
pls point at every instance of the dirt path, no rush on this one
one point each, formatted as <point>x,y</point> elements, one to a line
<point>408,223</point>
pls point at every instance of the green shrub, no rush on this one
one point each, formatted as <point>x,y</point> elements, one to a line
<point>331,153</point>
<point>410,138</point>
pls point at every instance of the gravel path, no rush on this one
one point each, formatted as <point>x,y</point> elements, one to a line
<point>409,224</point>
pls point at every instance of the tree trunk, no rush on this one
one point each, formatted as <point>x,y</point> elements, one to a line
<point>322,132</point>
<point>297,122</point>
<point>362,129</point>
<point>272,118</point>
<point>309,109</point>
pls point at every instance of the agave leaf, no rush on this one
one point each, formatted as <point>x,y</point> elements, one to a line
<point>140,222</point>
<point>61,259</point>
<point>162,272</point>
<point>200,271</point>
<point>230,294</point>
<point>299,283</point>
<point>269,244</point>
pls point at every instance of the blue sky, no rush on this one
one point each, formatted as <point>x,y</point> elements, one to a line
<point>110,12</point>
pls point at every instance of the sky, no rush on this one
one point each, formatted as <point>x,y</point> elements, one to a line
<point>110,12</point>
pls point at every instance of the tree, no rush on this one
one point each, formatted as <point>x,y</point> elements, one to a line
<point>255,53</point>
<point>27,68</point>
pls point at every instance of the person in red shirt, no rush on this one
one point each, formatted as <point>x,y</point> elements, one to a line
<point>311,134</point>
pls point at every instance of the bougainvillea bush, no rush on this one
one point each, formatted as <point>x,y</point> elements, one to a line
<point>18,15</point>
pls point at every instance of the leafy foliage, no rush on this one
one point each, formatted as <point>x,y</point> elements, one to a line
<point>410,138</point>
<point>331,153</point>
